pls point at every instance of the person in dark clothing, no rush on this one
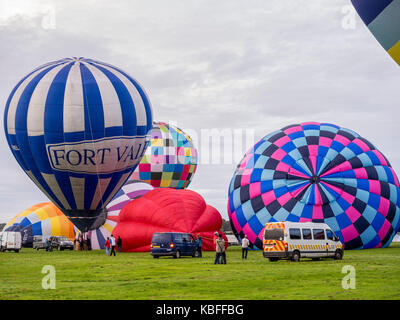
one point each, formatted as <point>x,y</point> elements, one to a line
<point>199,244</point>
<point>89,244</point>
<point>119,244</point>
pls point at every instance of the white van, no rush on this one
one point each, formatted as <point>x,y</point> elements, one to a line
<point>295,240</point>
<point>10,240</point>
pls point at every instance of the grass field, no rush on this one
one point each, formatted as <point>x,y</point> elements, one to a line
<point>93,275</point>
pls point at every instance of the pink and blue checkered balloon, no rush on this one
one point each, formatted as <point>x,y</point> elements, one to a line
<point>316,172</point>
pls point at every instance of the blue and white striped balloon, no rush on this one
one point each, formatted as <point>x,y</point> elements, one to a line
<point>78,128</point>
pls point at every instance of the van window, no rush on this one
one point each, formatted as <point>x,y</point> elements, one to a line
<point>295,234</point>
<point>161,237</point>
<point>178,237</point>
<point>319,234</point>
<point>186,237</point>
<point>273,234</point>
<point>329,234</point>
<point>306,234</point>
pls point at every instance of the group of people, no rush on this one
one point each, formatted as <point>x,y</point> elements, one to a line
<point>82,242</point>
<point>111,244</point>
<point>220,256</point>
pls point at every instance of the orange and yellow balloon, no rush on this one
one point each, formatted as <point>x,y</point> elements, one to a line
<point>43,219</point>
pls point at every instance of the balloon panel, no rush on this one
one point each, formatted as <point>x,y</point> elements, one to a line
<point>78,128</point>
<point>170,161</point>
<point>383,20</point>
<point>321,173</point>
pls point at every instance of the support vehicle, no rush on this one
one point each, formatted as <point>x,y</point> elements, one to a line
<point>10,241</point>
<point>173,244</point>
<point>295,240</point>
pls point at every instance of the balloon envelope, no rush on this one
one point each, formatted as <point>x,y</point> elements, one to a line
<point>170,160</point>
<point>166,210</point>
<point>43,219</point>
<point>78,128</point>
<point>382,18</point>
<point>131,190</point>
<point>316,172</point>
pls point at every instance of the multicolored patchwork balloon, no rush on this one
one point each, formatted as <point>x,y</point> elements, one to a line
<point>43,219</point>
<point>382,18</point>
<point>170,160</point>
<point>132,189</point>
<point>316,172</point>
<point>78,128</point>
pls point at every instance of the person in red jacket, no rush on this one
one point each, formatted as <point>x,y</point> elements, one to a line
<point>107,245</point>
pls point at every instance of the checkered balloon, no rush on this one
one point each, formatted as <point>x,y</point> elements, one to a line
<point>316,172</point>
<point>170,160</point>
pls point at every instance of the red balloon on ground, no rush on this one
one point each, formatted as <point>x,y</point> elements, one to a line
<point>167,210</point>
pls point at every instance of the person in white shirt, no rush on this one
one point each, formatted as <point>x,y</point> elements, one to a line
<point>113,243</point>
<point>245,247</point>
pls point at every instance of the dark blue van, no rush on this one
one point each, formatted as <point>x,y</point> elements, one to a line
<point>174,244</point>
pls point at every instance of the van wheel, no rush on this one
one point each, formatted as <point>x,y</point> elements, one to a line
<point>273,259</point>
<point>156,257</point>
<point>196,254</point>
<point>338,255</point>
<point>177,254</point>
<point>296,256</point>
<point>16,250</point>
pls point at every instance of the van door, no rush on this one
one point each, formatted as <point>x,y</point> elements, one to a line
<point>187,247</point>
<point>330,243</point>
<point>319,243</point>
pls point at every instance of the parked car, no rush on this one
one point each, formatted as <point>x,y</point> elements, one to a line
<point>295,240</point>
<point>56,242</point>
<point>61,243</point>
<point>173,244</point>
<point>38,243</point>
<point>10,240</point>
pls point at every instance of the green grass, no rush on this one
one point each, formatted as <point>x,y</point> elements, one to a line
<point>93,275</point>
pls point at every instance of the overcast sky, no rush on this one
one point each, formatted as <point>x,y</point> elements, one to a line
<point>206,64</point>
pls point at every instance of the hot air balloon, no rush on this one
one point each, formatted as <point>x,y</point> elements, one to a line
<point>78,128</point>
<point>166,210</point>
<point>43,219</point>
<point>170,161</point>
<point>383,20</point>
<point>131,190</point>
<point>316,172</point>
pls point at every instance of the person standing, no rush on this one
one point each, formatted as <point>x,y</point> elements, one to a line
<point>119,244</point>
<point>113,244</point>
<point>199,244</point>
<point>107,245</point>
<point>220,256</point>
<point>245,247</point>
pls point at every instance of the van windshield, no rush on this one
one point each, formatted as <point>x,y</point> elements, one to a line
<point>273,234</point>
<point>161,237</point>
